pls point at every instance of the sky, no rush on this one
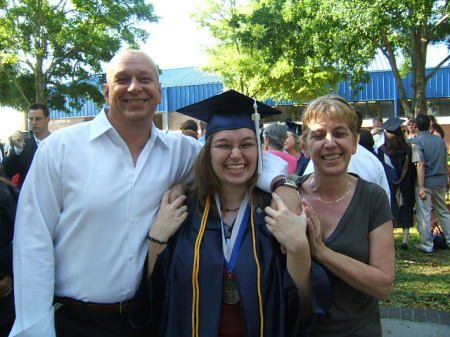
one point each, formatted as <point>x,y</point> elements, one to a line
<point>176,41</point>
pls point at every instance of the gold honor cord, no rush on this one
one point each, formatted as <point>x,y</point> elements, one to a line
<point>196,268</point>
<point>258,280</point>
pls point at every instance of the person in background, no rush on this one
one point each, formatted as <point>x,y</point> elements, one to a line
<point>293,146</point>
<point>201,139</point>
<point>85,209</point>
<point>411,130</point>
<point>366,140</point>
<point>222,273</point>
<point>274,137</point>
<point>8,205</point>
<point>377,133</point>
<point>430,157</point>
<point>349,228</point>
<point>396,155</point>
<point>435,128</point>
<point>24,144</point>
<point>3,153</point>
<point>189,128</point>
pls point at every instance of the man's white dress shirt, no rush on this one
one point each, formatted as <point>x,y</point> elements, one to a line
<point>84,212</point>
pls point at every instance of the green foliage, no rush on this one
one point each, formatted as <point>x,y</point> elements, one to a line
<point>301,49</point>
<point>422,280</point>
<point>59,45</point>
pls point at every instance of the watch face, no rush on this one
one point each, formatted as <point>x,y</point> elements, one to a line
<point>290,183</point>
<point>284,182</point>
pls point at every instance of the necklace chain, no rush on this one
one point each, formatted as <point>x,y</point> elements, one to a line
<point>338,199</point>
<point>230,210</point>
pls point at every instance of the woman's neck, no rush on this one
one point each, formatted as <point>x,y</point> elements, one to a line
<point>330,186</point>
<point>232,196</point>
<point>294,153</point>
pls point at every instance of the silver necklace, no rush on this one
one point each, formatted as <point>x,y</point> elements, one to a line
<point>338,199</point>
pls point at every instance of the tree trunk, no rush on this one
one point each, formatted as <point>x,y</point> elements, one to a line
<point>389,52</point>
<point>39,80</point>
<point>40,47</point>
<point>418,61</point>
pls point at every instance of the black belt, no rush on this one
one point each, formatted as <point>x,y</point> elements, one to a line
<point>119,307</point>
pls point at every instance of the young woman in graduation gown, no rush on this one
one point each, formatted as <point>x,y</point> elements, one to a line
<point>235,266</point>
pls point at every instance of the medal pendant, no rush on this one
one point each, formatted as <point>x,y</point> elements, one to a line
<point>230,292</point>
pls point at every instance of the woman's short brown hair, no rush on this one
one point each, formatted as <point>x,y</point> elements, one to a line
<point>329,108</point>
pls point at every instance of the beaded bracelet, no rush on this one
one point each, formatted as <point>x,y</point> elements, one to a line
<point>159,242</point>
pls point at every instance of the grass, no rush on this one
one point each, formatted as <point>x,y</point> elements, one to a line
<point>422,280</point>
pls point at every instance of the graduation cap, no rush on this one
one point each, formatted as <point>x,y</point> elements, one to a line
<point>392,124</point>
<point>294,127</point>
<point>229,110</point>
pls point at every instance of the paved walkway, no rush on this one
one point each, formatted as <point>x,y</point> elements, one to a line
<point>414,322</point>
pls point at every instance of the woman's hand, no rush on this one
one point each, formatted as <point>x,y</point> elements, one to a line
<point>170,217</point>
<point>176,190</point>
<point>316,244</point>
<point>6,286</point>
<point>288,228</point>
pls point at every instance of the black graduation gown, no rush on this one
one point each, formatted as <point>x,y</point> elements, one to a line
<point>8,204</point>
<point>401,184</point>
<point>165,302</point>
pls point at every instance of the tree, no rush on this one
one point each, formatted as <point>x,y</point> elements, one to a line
<point>311,45</point>
<point>51,51</point>
<point>238,67</point>
<point>254,55</point>
<point>403,30</point>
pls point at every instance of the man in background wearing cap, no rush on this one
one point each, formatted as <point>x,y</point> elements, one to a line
<point>85,210</point>
<point>430,156</point>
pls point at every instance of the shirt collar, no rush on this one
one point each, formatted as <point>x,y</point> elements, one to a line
<point>101,124</point>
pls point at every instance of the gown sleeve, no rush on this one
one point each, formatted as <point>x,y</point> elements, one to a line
<point>320,302</point>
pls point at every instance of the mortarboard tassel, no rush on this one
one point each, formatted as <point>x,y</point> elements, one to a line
<point>256,118</point>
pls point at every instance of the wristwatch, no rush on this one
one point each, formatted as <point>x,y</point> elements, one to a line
<point>290,181</point>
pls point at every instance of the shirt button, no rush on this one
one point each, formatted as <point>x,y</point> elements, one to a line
<point>131,257</point>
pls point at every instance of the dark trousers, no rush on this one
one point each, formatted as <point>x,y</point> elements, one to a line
<point>7,315</point>
<point>5,329</point>
<point>74,323</point>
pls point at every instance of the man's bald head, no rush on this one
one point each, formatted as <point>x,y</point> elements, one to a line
<point>112,65</point>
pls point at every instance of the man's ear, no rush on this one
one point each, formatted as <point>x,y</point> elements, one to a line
<point>106,92</point>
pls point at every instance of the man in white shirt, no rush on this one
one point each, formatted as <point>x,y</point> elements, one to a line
<point>86,207</point>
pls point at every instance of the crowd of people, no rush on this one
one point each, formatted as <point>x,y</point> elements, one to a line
<point>124,230</point>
